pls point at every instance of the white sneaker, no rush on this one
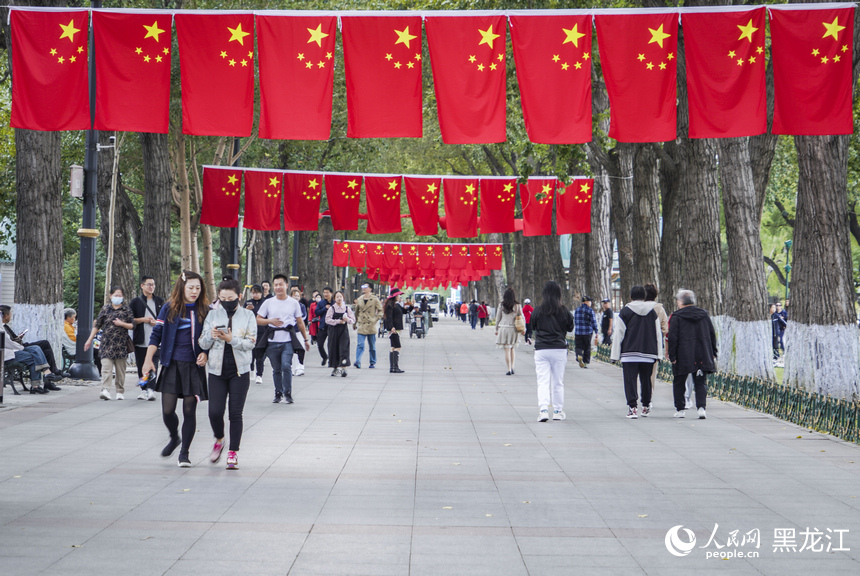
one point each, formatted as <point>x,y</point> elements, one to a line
<point>689,405</point>
<point>142,395</point>
<point>258,380</point>
<point>543,416</point>
<point>559,415</point>
<point>300,371</point>
<point>150,394</point>
<point>119,396</point>
<point>702,415</point>
<point>679,414</point>
<point>631,413</point>
<point>104,395</point>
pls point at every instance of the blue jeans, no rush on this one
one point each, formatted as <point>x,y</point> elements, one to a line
<point>280,354</point>
<point>359,349</point>
<point>33,357</point>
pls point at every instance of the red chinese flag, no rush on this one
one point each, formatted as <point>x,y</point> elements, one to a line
<point>296,76</point>
<point>495,255</point>
<point>812,52</point>
<point>498,203</point>
<point>478,257</point>
<point>382,56</point>
<point>49,70</point>
<point>554,50</point>
<point>221,197</point>
<point>573,207</point>
<point>132,71</point>
<point>422,195</point>
<point>302,193</point>
<point>726,73</point>
<point>263,200</point>
<point>443,256</point>
<point>459,257</point>
<point>461,207</point>
<point>467,54</point>
<point>392,256</point>
<point>383,204</point>
<point>340,257</point>
<point>426,260</point>
<point>375,255</point>
<point>343,192</point>
<point>216,64</point>
<point>410,256</point>
<point>357,254</point>
<point>537,197</point>
<point>638,54</point>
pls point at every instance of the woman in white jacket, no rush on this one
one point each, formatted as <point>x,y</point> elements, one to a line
<point>229,334</point>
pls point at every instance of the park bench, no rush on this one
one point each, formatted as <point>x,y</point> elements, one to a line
<point>14,370</point>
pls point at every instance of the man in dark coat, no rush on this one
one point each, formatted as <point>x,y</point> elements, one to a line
<point>692,349</point>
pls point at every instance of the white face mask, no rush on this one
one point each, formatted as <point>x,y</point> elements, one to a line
<point>116,300</point>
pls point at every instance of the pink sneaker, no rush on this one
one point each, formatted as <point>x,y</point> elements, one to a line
<point>232,461</point>
<point>216,452</point>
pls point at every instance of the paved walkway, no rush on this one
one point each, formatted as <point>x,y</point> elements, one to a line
<point>441,470</point>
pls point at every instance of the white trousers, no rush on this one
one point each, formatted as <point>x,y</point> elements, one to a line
<point>549,366</point>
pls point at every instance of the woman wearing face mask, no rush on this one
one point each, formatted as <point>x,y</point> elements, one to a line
<point>114,320</point>
<point>229,334</point>
<point>338,318</point>
<point>177,332</point>
<point>393,320</point>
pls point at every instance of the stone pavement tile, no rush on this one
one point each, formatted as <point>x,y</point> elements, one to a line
<point>226,567</point>
<point>562,563</point>
<point>31,564</point>
<point>242,545</point>
<point>590,542</point>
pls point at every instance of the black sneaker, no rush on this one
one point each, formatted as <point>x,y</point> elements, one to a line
<point>288,399</point>
<point>357,365</point>
<point>51,386</point>
<point>324,362</point>
<point>184,460</point>
<point>171,446</point>
<point>277,399</point>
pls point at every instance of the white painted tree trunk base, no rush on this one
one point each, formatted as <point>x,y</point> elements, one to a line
<point>823,359</point>
<point>43,322</point>
<point>745,347</point>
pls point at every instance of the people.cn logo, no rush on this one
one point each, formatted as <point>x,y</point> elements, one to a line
<point>675,545</point>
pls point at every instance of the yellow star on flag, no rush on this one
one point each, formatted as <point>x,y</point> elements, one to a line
<point>152,31</point>
<point>317,35</point>
<point>577,65</point>
<point>487,36</point>
<point>556,58</point>
<point>273,182</point>
<point>641,57</point>
<point>470,188</point>
<point>404,37</point>
<point>832,29</point>
<point>431,187</point>
<point>747,31</point>
<point>69,31</point>
<point>232,62</point>
<point>508,187</point>
<point>573,35</point>
<point>157,58</point>
<point>472,58</point>
<point>392,185</point>
<point>480,67</point>
<point>232,179</point>
<point>658,36</point>
<point>237,34</point>
<point>146,58</point>
<point>352,184</point>
<point>815,51</point>
<point>313,183</point>
<point>398,65</point>
<point>565,66</point>
<point>584,188</point>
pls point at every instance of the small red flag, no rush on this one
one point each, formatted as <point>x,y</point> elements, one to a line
<point>459,257</point>
<point>382,57</point>
<point>812,60</point>
<point>343,192</point>
<point>443,256</point>
<point>638,55</point>
<point>422,195</point>
<point>263,200</point>
<point>410,256</point>
<point>495,256</point>
<point>216,63</point>
<point>221,197</point>
<point>553,56</point>
<point>375,255</point>
<point>467,54</point>
<point>340,257</point>
<point>296,76</point>
<point>498,204</point>
<point>426,260</point>
<point>49,70</point>
<point>303,193</point>
<point>383,204</point>
<point>392,256</point>
<point>537,199</point>
<point>477,257</point>
<point>461,207</point>
<point>726,73</point>
<point>357,254</point>
<point>573,208</point>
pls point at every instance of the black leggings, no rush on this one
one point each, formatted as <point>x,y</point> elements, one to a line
<point>220,388</point>
<point>321,337</point>
<point>258,358</point>
<point>171,420</point>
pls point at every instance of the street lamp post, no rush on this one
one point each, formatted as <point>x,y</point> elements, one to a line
<point>787,266</point>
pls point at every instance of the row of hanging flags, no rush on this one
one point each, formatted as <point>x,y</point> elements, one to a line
<point>419,264</point>
<point>725,53</point>
<point>299,193</point>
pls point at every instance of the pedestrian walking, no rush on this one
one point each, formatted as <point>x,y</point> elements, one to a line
<point>368,312</point>
<point>299,357</point>
<point>464,311</point>
<point>114,320</point>
<point>507,333</point>
<point>483,314</point>
<point>322,329</point>
<point>473,314</point>
<point>258,354</point>
<point>177,332</point>
<point>229,334</point>
<point>145,308</point>
<point>777,323</point>
<point>606,322</point>
<point>393,321</point>
<point>338,318</point>
<point>782,325</point>
<point>638,343</point>
<point>692,350</point>
<point>551,322</point>
<point>527,314</point>
<point>585,330</point>
<point>651,296</point>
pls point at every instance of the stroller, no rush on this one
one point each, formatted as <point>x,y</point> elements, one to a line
<point>417,328</point>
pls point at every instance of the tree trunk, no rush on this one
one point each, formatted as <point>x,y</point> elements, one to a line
<point>225,252</point>
<point>121,263</point>
<point>281,253</point>
<point>646,215</point>
<point>184,202</point>
<point>154,249</point>
<point>255,256</point>
<point>622,217</point>
<point>576,272</point>
<point>598,275</point>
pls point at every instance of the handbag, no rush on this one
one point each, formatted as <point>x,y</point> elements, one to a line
<point>520,323</point>
<point>129,343</point>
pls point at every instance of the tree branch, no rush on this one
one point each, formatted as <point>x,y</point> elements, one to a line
<point>494,163</point>
<point>788,219</point>
<point>779,275</point>
<point>132,190</point>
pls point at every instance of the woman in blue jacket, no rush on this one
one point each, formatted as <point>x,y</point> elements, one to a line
<point>177,331</point>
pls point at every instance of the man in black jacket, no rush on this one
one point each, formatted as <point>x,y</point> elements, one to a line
<point>145,309</point>
<point>692,349</point>
<point>322,329</point>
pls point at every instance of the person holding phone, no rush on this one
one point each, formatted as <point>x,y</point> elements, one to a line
<point>229,334</point>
